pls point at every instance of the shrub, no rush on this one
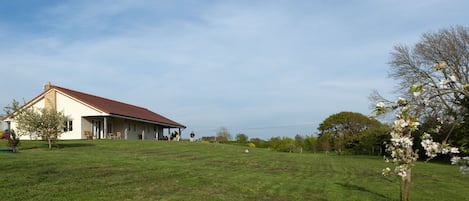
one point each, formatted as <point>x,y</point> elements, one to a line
<point>13,141</point>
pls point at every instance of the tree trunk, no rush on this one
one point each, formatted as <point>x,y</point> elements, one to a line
<point>407,184</point>
<point>50,142</point>
<point>401,195</point>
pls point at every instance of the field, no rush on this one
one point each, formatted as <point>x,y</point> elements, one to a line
<point>150,170</point>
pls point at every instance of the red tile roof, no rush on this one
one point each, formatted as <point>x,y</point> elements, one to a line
<point>118,108</point>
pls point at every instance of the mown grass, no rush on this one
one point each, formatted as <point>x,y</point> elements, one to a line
<point>150,170</point>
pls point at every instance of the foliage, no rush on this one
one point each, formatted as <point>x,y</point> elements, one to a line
<point>13,138</point>
<point>42,123</point>
<point>344,130</point>
<point>241,138</point>
<point>283,144</point>
<point>10,109</point>
<point>13,141</point>
<point>310,144</point>
<point>372,140</point>
<point>259,142</point>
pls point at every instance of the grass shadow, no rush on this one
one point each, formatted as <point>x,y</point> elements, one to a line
<point>6,151</point>
<point>362,189</point>
<point>73,145</point>
<point>58,145</point>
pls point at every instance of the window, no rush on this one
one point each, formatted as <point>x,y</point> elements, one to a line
<point>68,126</point>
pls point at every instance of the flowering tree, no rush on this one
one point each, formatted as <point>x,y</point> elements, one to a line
<point>434,79</point>
<point>44,123</point>
<point>400,147</point>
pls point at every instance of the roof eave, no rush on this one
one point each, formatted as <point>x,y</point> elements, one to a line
<point>148,121</point>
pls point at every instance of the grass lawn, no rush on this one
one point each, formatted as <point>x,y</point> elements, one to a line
<point>150,170</point>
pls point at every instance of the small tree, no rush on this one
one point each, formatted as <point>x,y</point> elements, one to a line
<point>13,141</point>
<point>43,123</point>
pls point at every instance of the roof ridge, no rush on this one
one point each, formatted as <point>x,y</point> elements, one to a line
<point>88,94</point>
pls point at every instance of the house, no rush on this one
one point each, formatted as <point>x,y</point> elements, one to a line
<point>100,118</point>
<point>3,124</point>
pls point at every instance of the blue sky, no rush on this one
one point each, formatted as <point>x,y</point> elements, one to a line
<point>263,68</point>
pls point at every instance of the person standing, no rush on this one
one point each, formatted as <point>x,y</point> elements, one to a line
<point>192,136</point>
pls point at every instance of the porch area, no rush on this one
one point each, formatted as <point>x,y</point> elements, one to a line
<point>118,128</point>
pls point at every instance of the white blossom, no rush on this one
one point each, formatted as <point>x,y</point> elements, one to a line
<point>426,101</point>
<point>431,148</point>
<point>401,123</point>
<point>454,150</point>
<point>455,160</point>
<point>401,101</point>
<point>444,83</point>
<point>380,105</point>
<point>453,78</point>
<point>402,173</point>
<point>464,169</point>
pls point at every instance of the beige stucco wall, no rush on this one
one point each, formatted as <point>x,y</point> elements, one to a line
<point>74,110</point>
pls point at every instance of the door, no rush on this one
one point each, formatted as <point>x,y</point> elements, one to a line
<point>97,129</point>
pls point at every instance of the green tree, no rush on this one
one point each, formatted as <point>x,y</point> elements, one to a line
<point>310,144</point>
<point>282,144</point>
<point>42,123</point>
<point>299,142</point>
<point>324,142</point>
<point>345,129</point>
<point>241,138</point>
<point>372,141</point>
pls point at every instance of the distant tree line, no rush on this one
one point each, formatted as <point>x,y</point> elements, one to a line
<point>342,133</point>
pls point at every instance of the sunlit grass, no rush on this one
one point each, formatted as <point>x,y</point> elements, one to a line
<point>150,170</point>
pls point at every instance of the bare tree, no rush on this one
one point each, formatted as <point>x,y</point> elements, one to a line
<point>435,73</point>
<point>223,135</point>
